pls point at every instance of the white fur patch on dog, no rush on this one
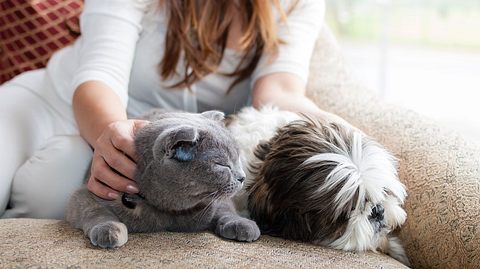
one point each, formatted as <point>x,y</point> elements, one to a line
<point>252,126</point>
<point>365,168</point>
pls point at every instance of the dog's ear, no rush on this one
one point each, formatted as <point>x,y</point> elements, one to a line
<point>178,143</point>
<point>214,115</point>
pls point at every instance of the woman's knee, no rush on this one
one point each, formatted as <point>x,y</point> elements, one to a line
<point>42,186</point>
<point>22,130</point>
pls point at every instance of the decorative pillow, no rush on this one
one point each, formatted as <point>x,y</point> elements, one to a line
<point>31,30</point>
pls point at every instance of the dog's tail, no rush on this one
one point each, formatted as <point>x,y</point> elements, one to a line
<point>361,169</point>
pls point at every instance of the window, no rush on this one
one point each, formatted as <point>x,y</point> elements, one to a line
<point>424,55</point>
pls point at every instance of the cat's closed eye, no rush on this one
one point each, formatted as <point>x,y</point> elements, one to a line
<point>223,165</point>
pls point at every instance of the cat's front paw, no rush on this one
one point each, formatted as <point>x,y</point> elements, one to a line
<point>110,234</point>
<point>239,229</point>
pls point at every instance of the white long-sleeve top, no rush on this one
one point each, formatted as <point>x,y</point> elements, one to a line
<point>122,44</point>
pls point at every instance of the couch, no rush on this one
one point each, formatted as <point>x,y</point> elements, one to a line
<point>440,169</point>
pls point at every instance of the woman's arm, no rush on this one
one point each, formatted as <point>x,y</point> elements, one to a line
<point>98,93</point>
<point>282,82</point>
<point>102,121</point>
<point>95,107</point>
<point>287,91</point>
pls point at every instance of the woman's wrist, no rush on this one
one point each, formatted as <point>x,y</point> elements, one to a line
<point>96,106</point>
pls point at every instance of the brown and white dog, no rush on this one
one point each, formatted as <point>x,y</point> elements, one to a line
<point>318,182</point>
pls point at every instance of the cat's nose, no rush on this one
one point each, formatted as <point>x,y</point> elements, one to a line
<point>241,179</point>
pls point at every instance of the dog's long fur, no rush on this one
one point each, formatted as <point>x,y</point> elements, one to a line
<point>319,182</point>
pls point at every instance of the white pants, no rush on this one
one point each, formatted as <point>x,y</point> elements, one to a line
<point>42,157</point>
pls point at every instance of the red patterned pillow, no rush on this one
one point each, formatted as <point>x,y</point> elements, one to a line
<point>31,30</point>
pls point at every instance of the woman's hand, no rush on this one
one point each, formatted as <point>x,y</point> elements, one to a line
<point>113,164</point>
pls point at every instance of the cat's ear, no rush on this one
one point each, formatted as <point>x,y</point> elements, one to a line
<point>178,143</point>
<point>214,115</point>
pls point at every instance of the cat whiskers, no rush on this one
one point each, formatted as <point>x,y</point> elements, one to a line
<point>214,198</point>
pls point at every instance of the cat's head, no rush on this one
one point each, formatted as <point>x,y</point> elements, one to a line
<point>187,160</point>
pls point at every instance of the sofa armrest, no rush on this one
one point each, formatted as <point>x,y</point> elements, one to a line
<point>440,168</point>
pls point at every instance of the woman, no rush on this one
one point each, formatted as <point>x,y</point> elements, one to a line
<point>135,55</point>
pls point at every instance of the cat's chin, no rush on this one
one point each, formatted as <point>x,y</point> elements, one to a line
<point>185,210</point>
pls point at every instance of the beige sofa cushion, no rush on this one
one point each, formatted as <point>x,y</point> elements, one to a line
<point>49,243</point>
<point>439,167</point>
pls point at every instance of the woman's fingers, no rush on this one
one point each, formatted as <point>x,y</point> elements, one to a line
<point>120,162</point>
<point>104,173</point>
<point>123,134</point>
<point>116,145</point>
<point>106,183</point>
<point>113,165</point>
<point>99,189</point>
<point>122,141</point>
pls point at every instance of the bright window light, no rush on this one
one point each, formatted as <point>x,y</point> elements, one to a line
<point>424,55</point>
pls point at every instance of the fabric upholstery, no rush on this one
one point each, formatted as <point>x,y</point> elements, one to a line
<point>48,243</point>
<point>30,31</point>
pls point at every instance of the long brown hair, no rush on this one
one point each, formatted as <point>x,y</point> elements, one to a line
<point>198,32</point>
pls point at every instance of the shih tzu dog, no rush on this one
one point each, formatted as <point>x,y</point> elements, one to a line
<point>318,182</point>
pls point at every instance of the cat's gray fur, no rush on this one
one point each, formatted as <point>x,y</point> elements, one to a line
<point>187,170</point>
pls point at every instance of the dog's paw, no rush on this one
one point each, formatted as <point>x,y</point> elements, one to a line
<point>239,229</point>
<point>110,234</point>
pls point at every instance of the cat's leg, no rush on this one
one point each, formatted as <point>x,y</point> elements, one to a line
<point>99,224</point>
<point>228,224</point>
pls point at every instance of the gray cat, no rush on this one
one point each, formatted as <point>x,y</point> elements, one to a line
<point>188,168</point>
